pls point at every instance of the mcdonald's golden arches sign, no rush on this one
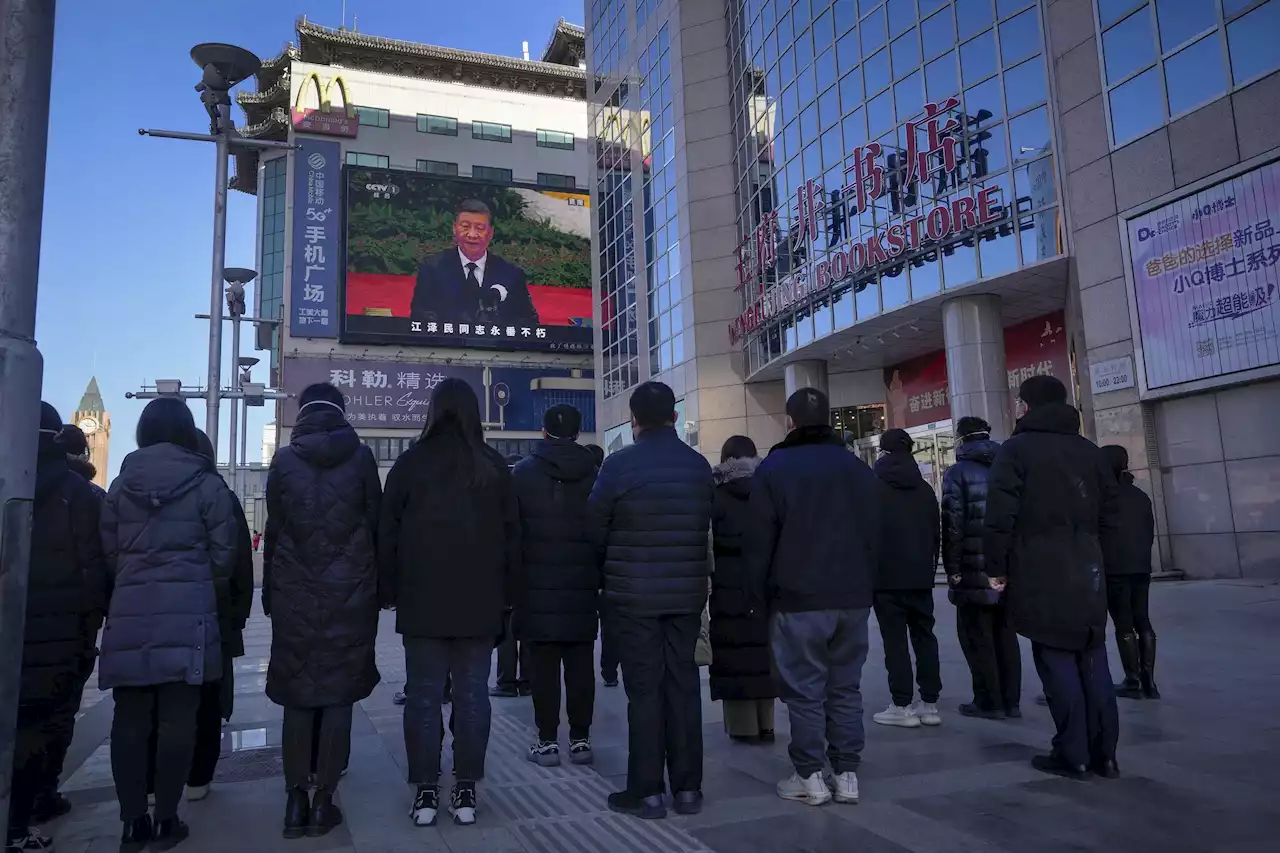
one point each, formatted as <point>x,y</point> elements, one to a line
<point>326,117</point>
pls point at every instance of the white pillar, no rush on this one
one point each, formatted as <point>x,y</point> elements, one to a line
<point>805,374</point>
<point>978,382</point>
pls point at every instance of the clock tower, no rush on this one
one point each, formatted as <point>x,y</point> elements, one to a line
<point>92,418</point>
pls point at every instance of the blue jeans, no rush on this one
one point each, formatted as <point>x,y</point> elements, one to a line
<point>818,657</point>
<point>428,663</point>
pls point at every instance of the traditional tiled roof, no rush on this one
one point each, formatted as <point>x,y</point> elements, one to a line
<point>266,110</point>
<point>324,45</point>
<point>567,45</point>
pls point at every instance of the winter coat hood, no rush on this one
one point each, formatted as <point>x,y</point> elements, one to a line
<point>555,587</point>
<point>161,474</point>
<point>83,467</point>
<point>564,460</point>
<point>735,475</point>
<point>1051,417</point>
<point>50,469</point>
<point>323,438</point>
<point>982,451</point>
<point>899,471</point>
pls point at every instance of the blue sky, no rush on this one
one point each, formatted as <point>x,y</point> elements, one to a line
<point>125,255</point>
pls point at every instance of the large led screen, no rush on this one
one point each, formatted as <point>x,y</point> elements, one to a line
<point>461,263</point>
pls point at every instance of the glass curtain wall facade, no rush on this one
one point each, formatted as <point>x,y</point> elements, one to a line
<point>818,84</point>
<point>271,262</point>
<point>1163,59</point>
<point>614,123</point>
<point>661,209</point>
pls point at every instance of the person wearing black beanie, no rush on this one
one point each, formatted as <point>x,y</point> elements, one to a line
<point>1052,504</point>
<point>904,584</point>
<point>66,593</point>
<point>1129,582</point>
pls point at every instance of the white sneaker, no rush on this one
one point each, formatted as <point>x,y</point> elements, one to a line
<point>927,712</point>
<point>462,805</point>
<point>896,715</point>
<point>197,792</point>
<point>812,790</point>
<point>844,786</point>
<point>426,803</point>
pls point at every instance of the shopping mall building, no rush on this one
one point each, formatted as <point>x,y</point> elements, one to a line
<point>916,204</point>
<point>392,137</point>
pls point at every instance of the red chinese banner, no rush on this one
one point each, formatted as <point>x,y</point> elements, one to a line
<point>1036,348</point>
<point>916,390</point>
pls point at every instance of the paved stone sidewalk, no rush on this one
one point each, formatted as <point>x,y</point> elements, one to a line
<point>1197,766</point>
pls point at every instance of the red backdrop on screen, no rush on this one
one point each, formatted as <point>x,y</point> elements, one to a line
<point>379,292</point>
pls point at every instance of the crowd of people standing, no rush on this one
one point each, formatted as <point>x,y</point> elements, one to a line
<point>790,554</point>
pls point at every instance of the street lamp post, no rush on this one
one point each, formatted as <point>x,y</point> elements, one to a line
<point>237,278</point>
<point>246,380</point>
<point>223,66</point>
<point>26,67</point>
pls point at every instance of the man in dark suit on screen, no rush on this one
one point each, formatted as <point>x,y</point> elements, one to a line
<point>468,284</point>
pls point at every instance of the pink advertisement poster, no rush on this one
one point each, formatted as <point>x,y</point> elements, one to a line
<point>1205,272</point>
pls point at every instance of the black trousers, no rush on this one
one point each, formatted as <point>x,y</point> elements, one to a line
<point>608,656</point>
<point>1127,599</point>
<point>990,647</point>
<point>41,738</point>
<point>1082,701</point>
<point>303,749</point>
<point>514,663</point>
<point>664,701</point>
<point>173,708</point>
<point>208,748</point>
<point>903,614</point>
<point>577,660</point>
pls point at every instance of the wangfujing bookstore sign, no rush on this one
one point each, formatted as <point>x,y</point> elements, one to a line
<point>867,180</point>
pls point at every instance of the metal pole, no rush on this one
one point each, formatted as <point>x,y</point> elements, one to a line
<point>26,62</point>
<point>244,446</point>
<point>231,404</point>
<point>219,259</point>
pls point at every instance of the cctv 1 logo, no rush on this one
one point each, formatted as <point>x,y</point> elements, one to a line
<point>382,190</point>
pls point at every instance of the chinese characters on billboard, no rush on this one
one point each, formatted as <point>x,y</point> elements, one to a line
<point>313,282</point>
<point>1205,270</point>
<point>927,171</point>
<point>377,393</point>
<point>453,262</point>
<point>917,392</point>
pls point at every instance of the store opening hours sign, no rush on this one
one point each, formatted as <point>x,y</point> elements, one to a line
<point>933,154</point>
<point>1205,274</point>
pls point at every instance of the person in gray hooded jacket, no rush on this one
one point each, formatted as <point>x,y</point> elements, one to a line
<point>168,534</point>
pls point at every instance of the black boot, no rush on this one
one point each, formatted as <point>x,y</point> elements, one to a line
<point>169,833</point>
<point>1132,687</point>
<point>324,814</point>
<point>136,835</point>
<point>1147,672</point>
<point>297,813</point>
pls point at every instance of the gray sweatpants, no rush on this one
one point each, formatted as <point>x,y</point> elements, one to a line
<point>818,656</point>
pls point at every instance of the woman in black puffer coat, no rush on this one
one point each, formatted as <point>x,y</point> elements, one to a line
<point>982,620</point>
<point>320,588</point>
<point>739,641</point>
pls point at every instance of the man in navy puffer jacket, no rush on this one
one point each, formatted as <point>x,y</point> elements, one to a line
<point>650,515</point>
